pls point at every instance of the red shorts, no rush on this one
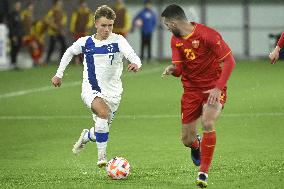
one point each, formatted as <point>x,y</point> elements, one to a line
<point>192,103</point>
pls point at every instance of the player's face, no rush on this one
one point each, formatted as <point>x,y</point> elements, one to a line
<point>171,26</point>
<point>104,27</point>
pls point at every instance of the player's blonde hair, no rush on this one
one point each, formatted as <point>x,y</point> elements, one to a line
<point>105,11</point>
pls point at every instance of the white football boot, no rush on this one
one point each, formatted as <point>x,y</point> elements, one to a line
<point>80,144</point>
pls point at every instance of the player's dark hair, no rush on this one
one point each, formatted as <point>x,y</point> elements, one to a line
<point>105,11</point>
<point>174,12</point>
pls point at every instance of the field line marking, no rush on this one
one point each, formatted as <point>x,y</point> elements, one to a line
<point>40,89</point>
<point>134,116</point>
<point>64,85</point>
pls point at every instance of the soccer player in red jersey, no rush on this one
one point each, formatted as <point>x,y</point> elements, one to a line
<point>205,62</point>
<point>274,55</point>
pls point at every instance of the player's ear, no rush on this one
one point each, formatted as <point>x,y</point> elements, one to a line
<point>96,23</point>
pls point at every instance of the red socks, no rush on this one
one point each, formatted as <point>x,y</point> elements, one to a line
<point>207,149</point>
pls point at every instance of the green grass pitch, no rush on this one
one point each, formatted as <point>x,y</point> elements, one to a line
<point>39,124</point>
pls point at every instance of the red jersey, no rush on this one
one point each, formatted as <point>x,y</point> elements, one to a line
<point>280,42</point>
<point>198,57</point>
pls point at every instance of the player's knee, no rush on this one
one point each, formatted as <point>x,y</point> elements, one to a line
<point>103,113</point>
<point>208,125</point>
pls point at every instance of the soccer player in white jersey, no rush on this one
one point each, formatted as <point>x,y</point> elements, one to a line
<point>101,86</point>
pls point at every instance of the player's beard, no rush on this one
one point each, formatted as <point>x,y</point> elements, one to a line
<point>176,32</point>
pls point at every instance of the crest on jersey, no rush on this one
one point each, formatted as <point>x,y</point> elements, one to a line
<point>110,48</point>
<point>195,44</point>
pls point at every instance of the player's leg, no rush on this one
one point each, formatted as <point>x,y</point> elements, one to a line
<point>191,108</point>
<point>142,46</point>
<point>208,119</point>
<point>101,110</point>
<point>149,50</point>
<point>112,106</point>
<point>191,139</point>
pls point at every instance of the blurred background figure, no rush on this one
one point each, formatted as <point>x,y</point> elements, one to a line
<point>27,17</point>
<point>146,20</point>
<point>122,23</point>
<point>56,20</point>
<point>16,32</point>
<point>36,41</point>
<point>80,24</point>
<point>4,11</point>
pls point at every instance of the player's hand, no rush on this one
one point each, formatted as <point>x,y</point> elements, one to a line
<point>168,70</point>
<point>214,95</point>
<point>274,55</point>
<point>56,81</point>
<point>132,67</point>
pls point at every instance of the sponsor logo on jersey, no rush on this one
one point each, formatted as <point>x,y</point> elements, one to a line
<point>179,44</point>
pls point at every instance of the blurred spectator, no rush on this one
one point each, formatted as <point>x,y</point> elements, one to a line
<point>146,20</point>
<point>81,21</point>
<point>15,32</point>
<point>56,20</point>
<point>27,17</point>
<point>4,11</point>
<point>35,41</point>
<point>122,23</point>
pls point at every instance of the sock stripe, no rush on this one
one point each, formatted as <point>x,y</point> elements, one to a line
<point>101,137</point>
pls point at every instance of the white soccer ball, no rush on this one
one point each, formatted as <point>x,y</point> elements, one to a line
<point>118,168</point>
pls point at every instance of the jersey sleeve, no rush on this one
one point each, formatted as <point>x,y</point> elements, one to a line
<point>176,55</point>
<point>217,45</point>
<point>280,42</point>
<point>128,51</point>
<point>74,49</point>
<point>229,64</point>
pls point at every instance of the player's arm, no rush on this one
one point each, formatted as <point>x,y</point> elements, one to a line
<point>134,22</point>
<point>173,69</point>
<point>75,49</point>
<point>129,54</point>
<point>215,93</point>
<point>229,64</point>
<point>177,59</point>
<point>222,51</point>
<point>274,55</point>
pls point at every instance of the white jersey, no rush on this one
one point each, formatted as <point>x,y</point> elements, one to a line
<point>102,62</point>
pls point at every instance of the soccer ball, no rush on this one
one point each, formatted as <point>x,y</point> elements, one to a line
<point>118,168</point>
